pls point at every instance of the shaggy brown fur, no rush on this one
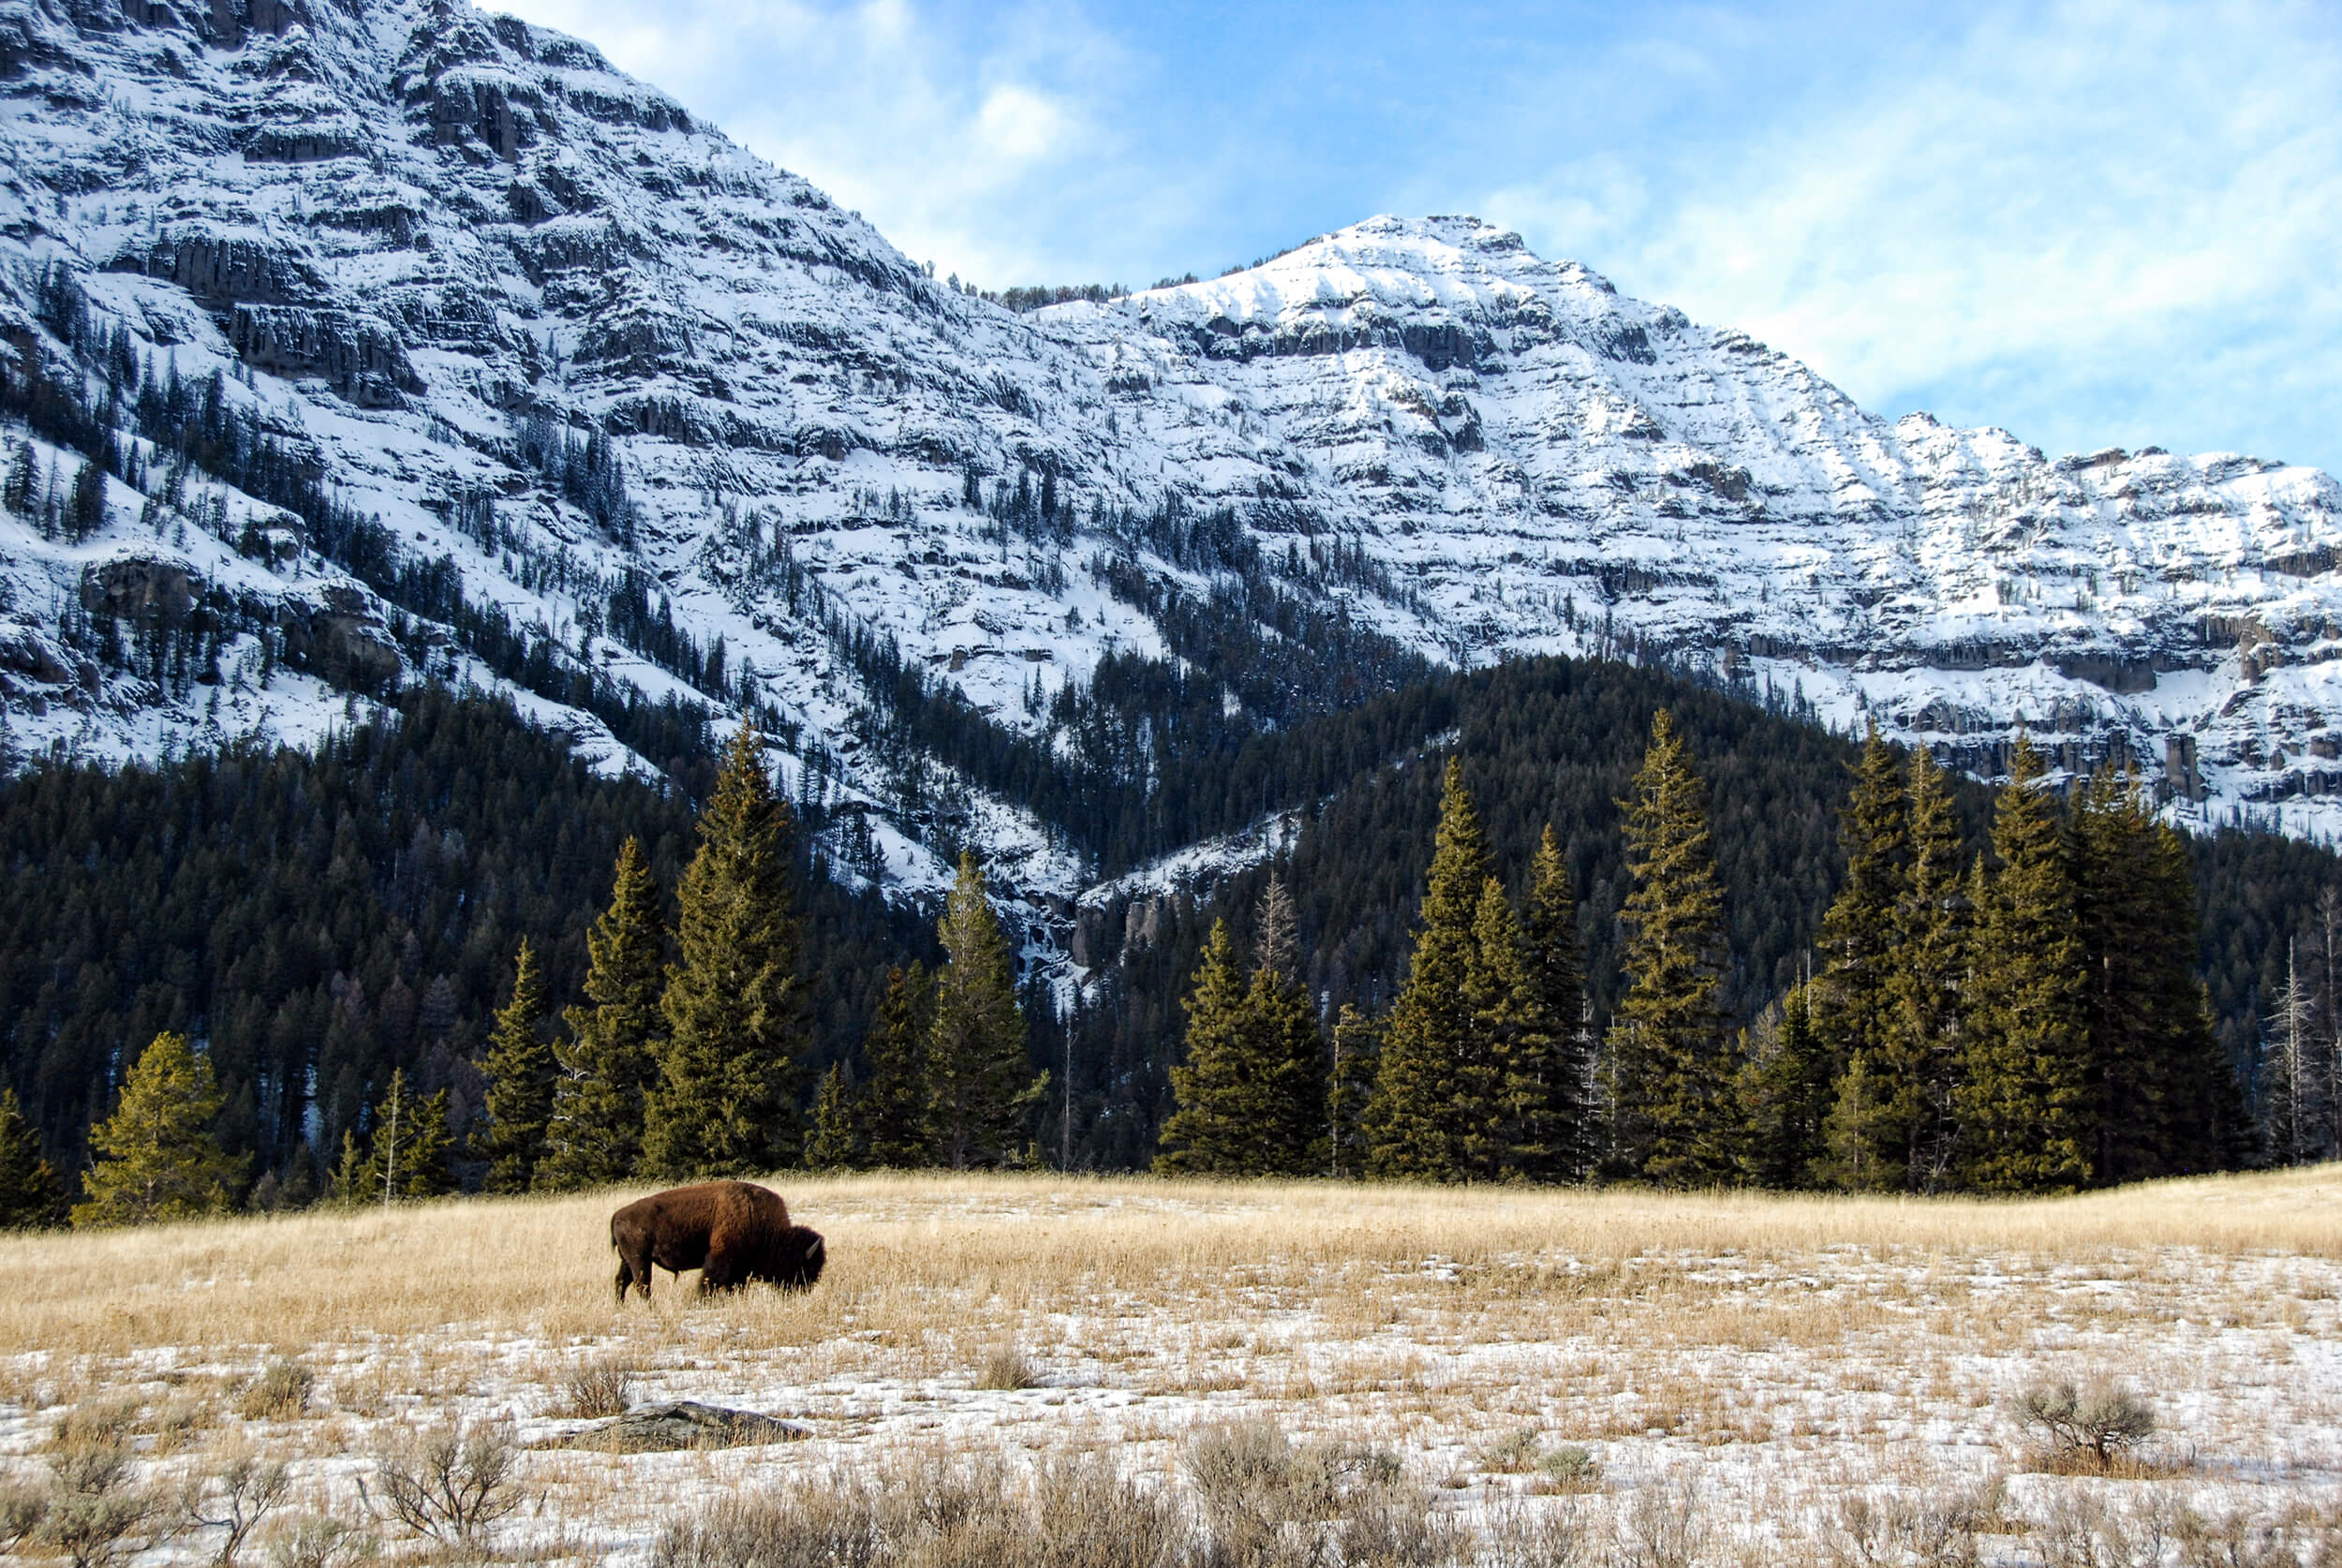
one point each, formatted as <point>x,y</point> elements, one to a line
<point>733,1232</point>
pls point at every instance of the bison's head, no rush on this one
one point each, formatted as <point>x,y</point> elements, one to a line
<point>798,1259</point>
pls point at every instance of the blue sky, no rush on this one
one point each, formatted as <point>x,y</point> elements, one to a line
<point>2095,224</point>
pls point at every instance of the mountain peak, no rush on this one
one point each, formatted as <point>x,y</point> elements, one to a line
<point>435,349</point>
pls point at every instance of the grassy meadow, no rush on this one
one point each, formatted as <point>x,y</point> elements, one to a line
<point>1633,1377</point>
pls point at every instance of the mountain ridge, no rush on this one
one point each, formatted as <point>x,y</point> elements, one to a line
<point>493,366</point>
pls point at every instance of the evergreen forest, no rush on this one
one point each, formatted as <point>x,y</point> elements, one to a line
<point>441,953</point>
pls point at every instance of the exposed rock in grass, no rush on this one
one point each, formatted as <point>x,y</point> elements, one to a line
<point>684,1424</point>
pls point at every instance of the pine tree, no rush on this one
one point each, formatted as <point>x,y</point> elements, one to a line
<point>410,1154</point>
<point>832,1145</point>
<point>893,1109</point>
<point>1496,988</point>
<point>1789,1094</point>
<point>1851,1001</point>
<point>520,1069</point>
<point>2161,1092</point>
<point>1420,1123</point>
<point>1926,977</point>
<point>1281,1036</point>
<point>2023,1095</point>
<point>725,1099</point>
<point>31,1197</point>
<point>594,1135</point>
<point>1673,1061</point>
<point>1218,1125</point>
<point>979,1084</point>
<point>157,1158</point>
<point>1550,1057</point>
<point>1358,1057</point>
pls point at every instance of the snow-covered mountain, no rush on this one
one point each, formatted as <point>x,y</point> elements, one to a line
<point>430,347</point>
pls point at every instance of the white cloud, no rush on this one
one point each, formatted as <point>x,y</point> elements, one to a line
<point>950,138</point>
<point>2030,226</point>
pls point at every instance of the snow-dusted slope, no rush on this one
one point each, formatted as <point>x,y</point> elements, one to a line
<point>425,247</point>
<point>1556,468</point>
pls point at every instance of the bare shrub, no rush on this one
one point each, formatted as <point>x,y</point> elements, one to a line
<point>1554,1536</point>
<point>1076,1513</point>
<point>1087,1515</point>
<point>323,1541</point>
<point>1665,1526</point>
<point>1006,1368</point>
<point>1932,1526</point>
<point>2100,1421</point>
<point>599,1389</point>
<point>280,1392</point>
<point>453,1481</point>
<point>238,1492</point>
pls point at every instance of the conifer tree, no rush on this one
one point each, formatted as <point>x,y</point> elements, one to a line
<point>893,1108</point>
<point>2160,1091</point>
<point>1673,1064</point>
<point>1218,1127</point>
<point>1496,988</point>
<point>408,1154</point>
<point>520,1069</point>
<point>1550,1056</point>
<point>1789,1094</point>
<point>156,1156</point>
<point>2023,1095</point>
<point>830,1145</point>
<point>1420,1123</point>
<point>979,1084</point>
<point>725,1099</point>
<point>1925,981</point>
<point>1357,1055</point>
<point>1281,1036</point>
<point>1850,1004</point>
<point>594,1135</point>
<point>31,1197</point>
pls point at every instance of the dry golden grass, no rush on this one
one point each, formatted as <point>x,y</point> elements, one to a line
<point>543,1268</point>
<point>1780,1350</point>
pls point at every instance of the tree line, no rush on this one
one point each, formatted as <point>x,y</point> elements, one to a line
<point>2024,1020</point>
<point>671,1070</point>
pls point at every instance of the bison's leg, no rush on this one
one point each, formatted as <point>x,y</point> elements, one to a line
<point>634,1269</point>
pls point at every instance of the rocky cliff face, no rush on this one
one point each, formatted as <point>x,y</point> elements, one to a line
<point>432,347</point>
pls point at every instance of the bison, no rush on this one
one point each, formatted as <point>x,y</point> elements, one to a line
<point>732,1232</point>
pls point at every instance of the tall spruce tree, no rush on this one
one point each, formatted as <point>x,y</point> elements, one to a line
<point>520,1069</point>
<point>1926,981</point>
<point>157,1158</point>
<point>1281,1036</point>
<point>980,1085</point>
<point>1550,1057</point>
<point>31,1196</point>
<point>1219,1124</point>
<point>725,1099</point>
<point>1789,1093</point>
<point>893,1108</point>
<point>1356,1048</point>
<point>1496,988</point>
<point>2024,1100</point>
<point>832,1144</point>
<point>1674,1066</point>
<point>594,1135</point>
<point>1850,1004</point>
<point>1424,1121</point>
<point>2156,1079</point>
